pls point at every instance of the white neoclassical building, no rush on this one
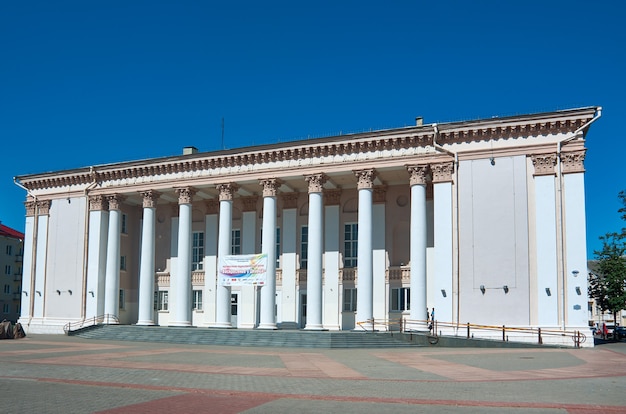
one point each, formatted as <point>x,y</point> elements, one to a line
<point>482,220</point>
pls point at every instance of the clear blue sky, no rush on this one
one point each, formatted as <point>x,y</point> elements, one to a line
<point>94,82</point>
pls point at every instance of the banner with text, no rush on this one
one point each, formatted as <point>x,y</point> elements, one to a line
<point>243,269</point>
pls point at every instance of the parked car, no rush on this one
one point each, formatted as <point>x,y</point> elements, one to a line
<point>620,332</point>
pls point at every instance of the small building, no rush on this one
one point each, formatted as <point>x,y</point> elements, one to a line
<point>482,220</point>
<point>11,259</point>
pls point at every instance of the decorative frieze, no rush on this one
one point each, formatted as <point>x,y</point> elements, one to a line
<point>572,162</point>
<point>98,203</point>
<point>185,195</point>
<point>316,182</point>
<point>227,191</point>
<point>30,208</point>
<point>380,194</point>
<point>544,164</point>
<point>442,172</point>
<point>290,200</point>
<point>115,201</point>
<point>332,197</point>
<point>365,178</point>
<point>249,202</point>
<point>150,198</point>
<point>270,186</point>
<point>417,174</point>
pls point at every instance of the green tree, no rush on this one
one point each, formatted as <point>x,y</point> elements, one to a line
<point>608,284</point>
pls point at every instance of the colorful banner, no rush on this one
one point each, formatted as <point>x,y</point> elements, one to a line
<point>243,270</point>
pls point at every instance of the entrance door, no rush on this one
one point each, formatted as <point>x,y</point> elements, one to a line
<point>302,310</point>
<point>234,308</point>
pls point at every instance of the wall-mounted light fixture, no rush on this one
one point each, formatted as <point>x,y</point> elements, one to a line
<point>91,293</point>
<point>505,288</point>
<point>69,291</point>
<point>575,273</point>
<point>58,292</point>
<point>38,292</point>
<point>482,289</point>
<point>25,292</point>
<point>443,293</point>
<point>578,290</point>
<point>548,292</point>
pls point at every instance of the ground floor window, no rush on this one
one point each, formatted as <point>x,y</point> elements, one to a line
<point>349,300</point>
<point>122,301</point>
<point>163,300</point>
<point>197,300</point>
<point>400,299</point>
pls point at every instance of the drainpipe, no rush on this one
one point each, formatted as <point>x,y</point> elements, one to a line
<point>578,133</point>
<point>33,251</point>
<point>456,214</point>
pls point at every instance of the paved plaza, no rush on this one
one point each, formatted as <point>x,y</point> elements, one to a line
<point>59,374</point>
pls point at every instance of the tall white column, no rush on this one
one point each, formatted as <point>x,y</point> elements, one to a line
<point>268,246</point>
<point>314,270</point>
<point>28,274</point>
<point>575,244</point>
<point>112,278</point>
<point>418,242</point>
<point>146,267</point>
<point>365,278</point>
<point>546,312</point>
<point>380,301</point>
<point>97,253</point>
<point>41,263</point>
<point>442,194</point>
<point>222,299</point>
<point>181,305</point>
<point>332,304</point>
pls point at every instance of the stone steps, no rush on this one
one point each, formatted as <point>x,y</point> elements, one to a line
<point>245,337</point>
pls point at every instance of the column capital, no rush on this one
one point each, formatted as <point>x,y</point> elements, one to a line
<point>316,181</point>
<point>185,194</point>
<point>365,178</point>
<point>290,200</point>
<point>150,198</point>
<point>417,174</point>
<point>43,207</point>
<point>332,197</point>
<point>442,172</point>
<point>30,208</point>
<point>212,206</point>
<point>227,191</point>
<point>572,162</point>
<point>249,202</point>
<point>270,186</point>
<point>115,201</point>
<point>544,164</point>
<point>98,203</point>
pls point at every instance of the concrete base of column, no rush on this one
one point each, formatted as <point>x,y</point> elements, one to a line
<point>145,323</point>
<point>315,327</point>
<point>269,326</point>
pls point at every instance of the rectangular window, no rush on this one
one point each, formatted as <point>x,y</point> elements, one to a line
<point>350,244</point>
<point>400,299</point>
<point>122,301</point>
<point>122,262</point>
<point>163,300</point>
<point>7,288</point>
<point>9,250</point>
<point>235,247</point>
<point>124,224</point>
<point>304,247</point>
<point>197,254</point>
<point>197,300</point>
<point>5,308</point>
<point>349,300</point>
<point>7,269</point>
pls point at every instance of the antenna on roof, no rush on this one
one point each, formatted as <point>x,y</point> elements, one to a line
<point>223,133</point>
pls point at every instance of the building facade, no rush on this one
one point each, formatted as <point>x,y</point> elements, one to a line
<point>482,220</point>
<point>11,260</point>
